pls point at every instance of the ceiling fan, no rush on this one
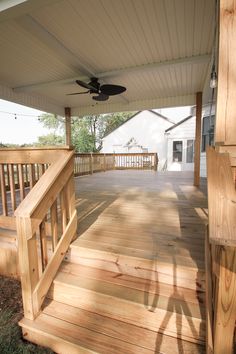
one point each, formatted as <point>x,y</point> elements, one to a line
<point>103,91</point>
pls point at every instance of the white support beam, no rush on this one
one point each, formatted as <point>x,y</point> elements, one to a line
<point>140,105</point>
<point>157,66</point>
<point>10,9</point>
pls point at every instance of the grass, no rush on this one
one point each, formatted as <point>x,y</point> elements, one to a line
<point>11,311</point>
<point>11,341</point>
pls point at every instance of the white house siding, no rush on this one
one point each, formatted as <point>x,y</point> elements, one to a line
<point>183,132</point>
<point>146,129</point>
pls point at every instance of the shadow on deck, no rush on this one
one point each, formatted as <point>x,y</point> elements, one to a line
<point>143,234</point>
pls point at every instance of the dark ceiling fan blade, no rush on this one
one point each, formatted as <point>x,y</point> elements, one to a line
<point>85,85</point>
<point>93,86</point>
<point>77,93</point>
<point>101,97</point>
<point>112,90</point>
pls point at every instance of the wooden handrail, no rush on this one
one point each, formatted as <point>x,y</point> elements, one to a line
<point>36,213</point>
<point>31,155</point>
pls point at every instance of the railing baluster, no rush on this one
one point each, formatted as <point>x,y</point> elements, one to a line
<point>63,209</point>
<point>43,244</point>
<point>32,176</point>
<point>54,225</point>
<point>12,187</point>
<point>21,182</point>
<point>3,190</point>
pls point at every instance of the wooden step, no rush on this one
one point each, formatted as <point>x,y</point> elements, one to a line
<point>151,269</point>
<point>154,252</point>
<point>66,329</point>
<point>150,245</point>
<point>150,293</point>
<point>175,317</point>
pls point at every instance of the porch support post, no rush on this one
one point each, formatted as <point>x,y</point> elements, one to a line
<point>225,127</point>
<point>68,125</point>
<point>197,150</point>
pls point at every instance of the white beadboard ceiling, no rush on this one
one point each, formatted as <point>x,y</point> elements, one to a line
<point>160,50</point>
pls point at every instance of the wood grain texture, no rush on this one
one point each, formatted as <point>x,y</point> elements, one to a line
<point>221,198</point>
<point>225,310</point>
<point>226,113</point>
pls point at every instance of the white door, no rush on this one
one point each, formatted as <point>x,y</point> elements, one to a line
<point>182,155</point>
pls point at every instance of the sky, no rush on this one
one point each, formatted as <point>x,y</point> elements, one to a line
<point>16,128</point>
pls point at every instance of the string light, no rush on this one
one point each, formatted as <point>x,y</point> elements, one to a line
<point>21,114</point>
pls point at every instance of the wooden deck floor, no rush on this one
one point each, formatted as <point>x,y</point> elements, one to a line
<point>144,232</point>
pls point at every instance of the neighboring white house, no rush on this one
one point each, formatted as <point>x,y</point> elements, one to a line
<point>171,137</point>
<point>143,132</point>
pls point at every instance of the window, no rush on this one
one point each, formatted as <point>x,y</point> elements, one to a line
<point>190,151</point>
<point>177,151</point>
<point>208,132</point>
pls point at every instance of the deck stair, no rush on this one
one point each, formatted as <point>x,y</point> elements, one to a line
<point>111,307</point>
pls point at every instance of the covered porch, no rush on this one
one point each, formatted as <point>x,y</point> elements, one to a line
<point>133,281</point>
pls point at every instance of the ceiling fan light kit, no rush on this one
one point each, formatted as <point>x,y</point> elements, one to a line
<point>103,91</point>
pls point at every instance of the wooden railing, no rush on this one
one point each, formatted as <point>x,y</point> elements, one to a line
<point>221,250</point>
<point>16,179</point>
<point>90,163</point>
<point>45,220</point>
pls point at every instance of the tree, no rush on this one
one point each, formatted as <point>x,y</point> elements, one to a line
<point>54,123</point>
<point>50,139</point>
<point>86,132</point>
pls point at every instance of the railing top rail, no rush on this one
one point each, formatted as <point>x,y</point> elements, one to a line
<point>24,156</point>
<point>117,154</point>
<point>62,147</point>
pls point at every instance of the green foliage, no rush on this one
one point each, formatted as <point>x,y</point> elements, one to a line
<point>50,140</point>
<point>51,121</point>
<point>11,338</point>
<point>54,123</point>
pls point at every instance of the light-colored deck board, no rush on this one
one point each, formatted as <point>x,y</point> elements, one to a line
<point>138,228</point>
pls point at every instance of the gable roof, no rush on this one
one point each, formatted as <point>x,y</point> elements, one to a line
<point>179,123</point>
<point>135,114</point>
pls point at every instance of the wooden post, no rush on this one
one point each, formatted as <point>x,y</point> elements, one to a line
<point>225,312</point>
<point>155,162</point>
<point>104,162</point>
<point>197,150</point>
<point>68,125</point>
<point>225,127</point>
<point>91,163</point>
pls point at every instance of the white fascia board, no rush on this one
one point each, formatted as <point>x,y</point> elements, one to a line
<point>31,100</point>
<point>10,9</point>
